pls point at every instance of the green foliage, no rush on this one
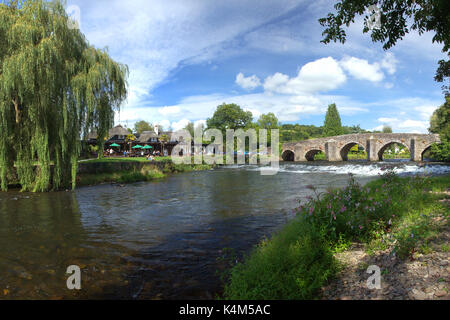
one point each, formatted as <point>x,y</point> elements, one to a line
<point>142,126</point>
<point>268,122</point>
<point>230,116</point>
<point>353,129</point>
<point>440,123</point>
<point>294,264</point>
<point>297,132</point>
<point>388,212</point>
<point>55,89</point>
<point>332,126</point>
<point>387,129</point>
<point>398,17</point>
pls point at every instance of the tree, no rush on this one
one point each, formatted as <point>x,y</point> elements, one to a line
<point>230,116</point>
<point>440,123</point>
<point>142,126</point>
<point>353,129</point>
<point>55,88</point>
<point>387,129</point>
<point>397,18</point>
<point>164,139</point>
<point>268,121</point>
<point>332,125</point>
<point>129,140</point>
<point>190,128</point>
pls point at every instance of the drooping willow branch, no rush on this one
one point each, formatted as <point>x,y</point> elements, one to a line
<point>54,88</point>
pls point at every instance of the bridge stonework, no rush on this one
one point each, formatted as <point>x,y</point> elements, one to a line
<point>337,148</point>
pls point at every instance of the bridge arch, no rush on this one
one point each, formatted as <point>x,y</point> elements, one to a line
<point>389,144</point>
<point>346,149</point>
<point>288,155</point>
<point>424,150</point>
<point>312,153</point>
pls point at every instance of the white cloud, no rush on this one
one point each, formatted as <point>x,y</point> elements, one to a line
<point>361,69</point>
<point>178,125</point>
<point>388,120</point>
<point>389,63</point>
<point>155,37</point>
<point>414,124</point>
<point>249,83</point>
<point>169,111</point>
<point>318,76</point>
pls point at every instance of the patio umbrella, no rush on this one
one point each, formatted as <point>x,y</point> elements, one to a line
<point>147,147</point>
<point>137,147</point>
<point>114,145</point>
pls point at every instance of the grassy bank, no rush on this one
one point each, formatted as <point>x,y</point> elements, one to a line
<point>123,159</point>
<point>148,172</point>
<point>297,261</point>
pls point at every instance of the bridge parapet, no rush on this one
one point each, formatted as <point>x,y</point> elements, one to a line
<point>337,147</point>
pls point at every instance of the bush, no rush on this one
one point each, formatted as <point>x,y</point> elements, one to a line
<point>293,265</point>
<point>390,212</point>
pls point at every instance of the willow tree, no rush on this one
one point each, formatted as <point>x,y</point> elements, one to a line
<point>54,89</point>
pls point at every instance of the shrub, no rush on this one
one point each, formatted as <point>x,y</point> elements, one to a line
<point>293,265</point>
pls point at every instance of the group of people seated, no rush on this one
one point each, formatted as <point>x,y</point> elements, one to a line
<point>149,155</point>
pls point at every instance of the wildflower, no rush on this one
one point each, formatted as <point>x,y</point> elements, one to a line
<point>343,209</point>
<point>334,217</point>
<point>412,235</point>
<point>360,227</point>
<point>329,206</point>
<point>389,222</point>
<point>311,210</point>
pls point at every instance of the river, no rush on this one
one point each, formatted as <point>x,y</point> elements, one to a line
<point>158,240</point>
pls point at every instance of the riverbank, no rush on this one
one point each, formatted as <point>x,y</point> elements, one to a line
<point>129,170</point>
<point>124,170</point>
<point>393,218</point>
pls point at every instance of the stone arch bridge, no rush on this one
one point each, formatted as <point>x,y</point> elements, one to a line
<point>337,148</point>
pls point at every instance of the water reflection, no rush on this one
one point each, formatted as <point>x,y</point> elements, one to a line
<point>147,240</point>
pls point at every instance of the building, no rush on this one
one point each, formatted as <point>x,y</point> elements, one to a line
<point>156,140</point>
<point>116,135</point>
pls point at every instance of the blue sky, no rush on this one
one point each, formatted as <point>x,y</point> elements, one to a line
<point>186,57</point>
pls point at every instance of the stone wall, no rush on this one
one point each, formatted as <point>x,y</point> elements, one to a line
<point>336,148</point>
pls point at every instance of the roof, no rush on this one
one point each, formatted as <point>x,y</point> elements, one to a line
<point>92,135</point>
<point>118,131</point>
<point>146,136</point>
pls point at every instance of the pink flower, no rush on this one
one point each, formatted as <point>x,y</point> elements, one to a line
<point>343,209</point>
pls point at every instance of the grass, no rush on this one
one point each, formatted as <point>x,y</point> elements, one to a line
<point>123,159</point>
<point>119,177</point>
<point>147,172</point>
<point>391,212</point>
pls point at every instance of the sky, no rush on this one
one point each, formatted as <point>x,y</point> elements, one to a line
<point>186,57</point>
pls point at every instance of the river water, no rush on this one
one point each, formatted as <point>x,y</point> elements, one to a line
<point>158,240</point>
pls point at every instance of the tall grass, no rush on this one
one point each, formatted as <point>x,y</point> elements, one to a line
<point>389,212</point>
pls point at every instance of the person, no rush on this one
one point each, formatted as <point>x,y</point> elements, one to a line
<point>125,153</point>
<point>111,151</point>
